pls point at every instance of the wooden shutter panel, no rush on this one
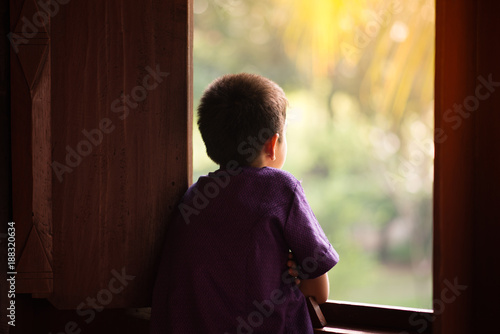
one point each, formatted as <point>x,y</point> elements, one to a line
<point>101,144</point>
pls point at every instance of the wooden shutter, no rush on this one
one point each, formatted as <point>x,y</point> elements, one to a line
<point>101,133</point>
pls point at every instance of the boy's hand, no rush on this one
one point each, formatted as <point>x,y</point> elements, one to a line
<point>292,268</point>
<point>318,287</point>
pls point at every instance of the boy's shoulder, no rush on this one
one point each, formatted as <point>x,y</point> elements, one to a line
<point>266,179</point>
<point>278,175</point>
<point>273,178</point>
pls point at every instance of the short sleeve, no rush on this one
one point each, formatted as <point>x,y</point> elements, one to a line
<point>312,250</point>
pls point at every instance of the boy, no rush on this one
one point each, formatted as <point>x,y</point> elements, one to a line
<point>224,268</point>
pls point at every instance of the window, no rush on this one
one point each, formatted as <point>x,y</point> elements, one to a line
<point>359,77</point>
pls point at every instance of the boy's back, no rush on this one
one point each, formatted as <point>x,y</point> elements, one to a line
<point>224,266</point>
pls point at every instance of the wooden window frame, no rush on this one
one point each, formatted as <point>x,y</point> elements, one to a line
<point>347,317</point>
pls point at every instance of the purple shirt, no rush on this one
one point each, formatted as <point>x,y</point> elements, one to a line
<point>224,265</point>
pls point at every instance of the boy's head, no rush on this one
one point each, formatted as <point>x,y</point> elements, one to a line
<point>242,117</point>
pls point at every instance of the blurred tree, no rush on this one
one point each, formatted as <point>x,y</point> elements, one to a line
<point>387,49</point>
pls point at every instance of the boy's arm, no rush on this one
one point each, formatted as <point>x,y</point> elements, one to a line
<point>317,287</point>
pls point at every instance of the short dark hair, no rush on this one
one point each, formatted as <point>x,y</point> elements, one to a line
<point>236,108</point>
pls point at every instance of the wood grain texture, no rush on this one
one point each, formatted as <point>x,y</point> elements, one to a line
<point>101,146</point>
<point>31,175</point>
<point>111,210</point>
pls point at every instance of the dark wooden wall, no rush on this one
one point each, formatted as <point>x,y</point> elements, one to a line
<point>101,151</point>
<point>5,188</point>
<point>467,181</point>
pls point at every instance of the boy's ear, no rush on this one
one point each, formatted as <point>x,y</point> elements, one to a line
<point>271,146</point>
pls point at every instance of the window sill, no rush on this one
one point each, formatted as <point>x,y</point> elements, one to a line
<point>348,330</point>
<point>358,318</point>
